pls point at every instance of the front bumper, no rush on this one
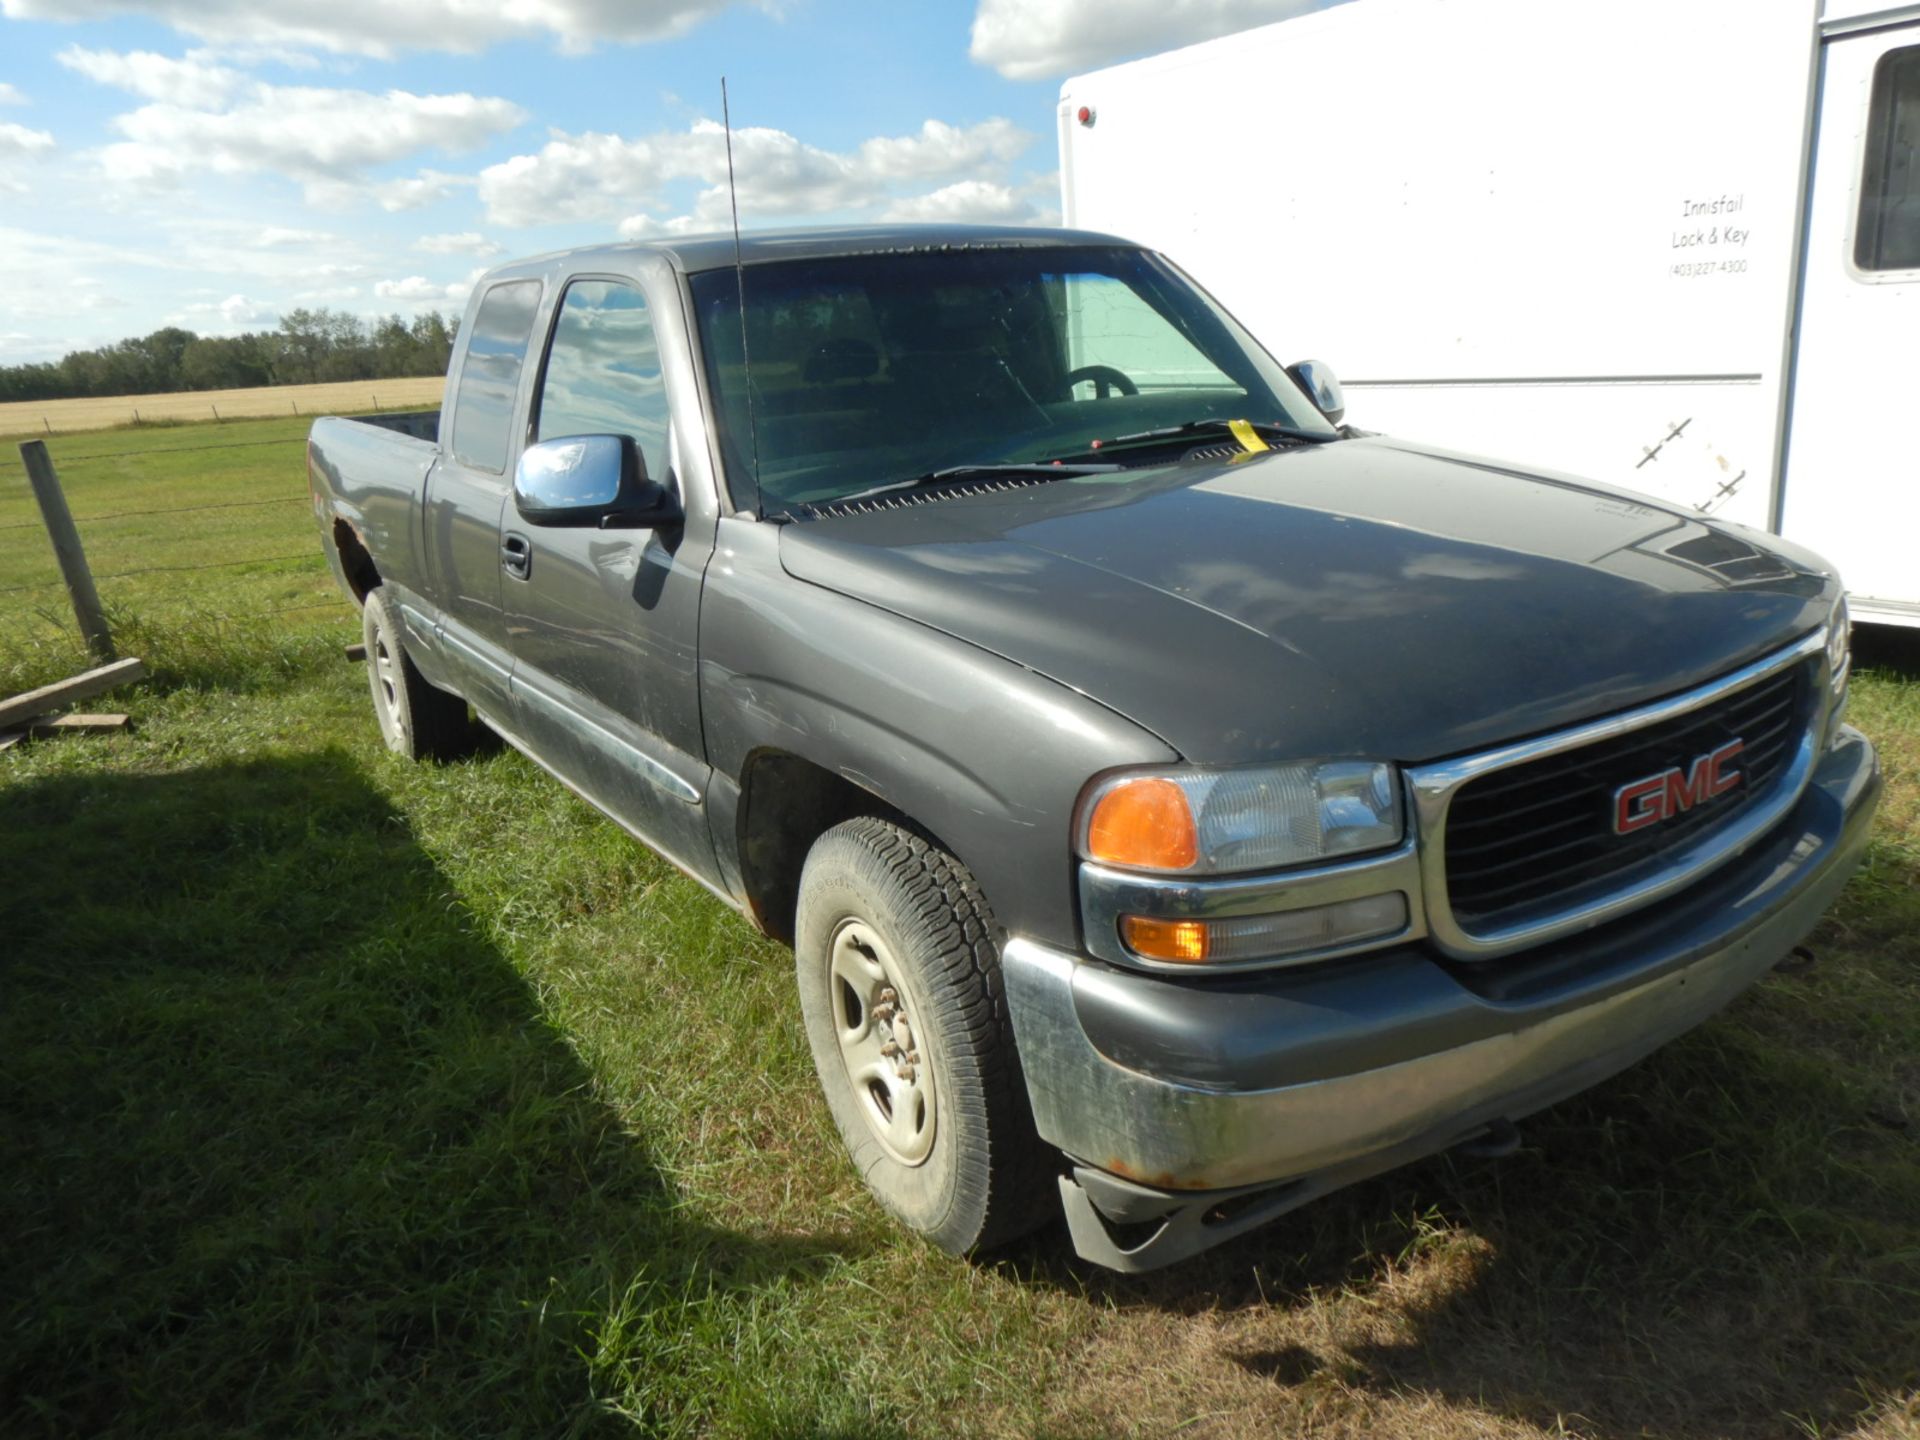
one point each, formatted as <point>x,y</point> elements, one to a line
<point>1194,1110</point>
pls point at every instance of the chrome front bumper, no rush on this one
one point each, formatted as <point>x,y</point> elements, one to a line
<point>1174,1098</point>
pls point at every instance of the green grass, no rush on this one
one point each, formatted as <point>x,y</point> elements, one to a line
<point>345,1097</point>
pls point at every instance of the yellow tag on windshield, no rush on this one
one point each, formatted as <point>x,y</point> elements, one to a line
<point>1249,442</point>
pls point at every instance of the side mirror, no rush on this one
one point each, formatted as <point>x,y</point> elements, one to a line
<point>596,480</point>
<point>1316,377</point>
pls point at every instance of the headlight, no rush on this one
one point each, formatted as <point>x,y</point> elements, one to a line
<point>1203,822</point>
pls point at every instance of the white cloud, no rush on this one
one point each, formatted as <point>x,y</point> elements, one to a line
<point>941,149</point>
<point>468,242</point>
<point>325,138</point>
<point>191,81</point>
<point>418,290</point>
<point>647,227</point>
<point>225,317</point>
<point>382,27</point>
<point>416,192</point>
<point>19,140</point>
<point>598,176</point>
<point>330,295</point>
<point>237,312</point>
<point>414,287</point>
<point>278,236</point>
<point>963,202</point>
<point>1041,39</point>
<point>10,95</point>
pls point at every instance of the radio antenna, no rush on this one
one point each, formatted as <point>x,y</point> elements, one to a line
<point>740,284</point>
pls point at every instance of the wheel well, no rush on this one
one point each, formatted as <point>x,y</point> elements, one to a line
<point>786,803</point>
<point>355,563</point>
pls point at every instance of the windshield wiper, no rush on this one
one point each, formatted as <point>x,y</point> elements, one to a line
<point>1052,469</point>
<point>1262,428</point>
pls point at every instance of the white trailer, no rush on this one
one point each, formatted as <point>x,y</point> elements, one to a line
<point>1669,244</point>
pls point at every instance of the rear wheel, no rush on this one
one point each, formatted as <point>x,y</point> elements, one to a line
<point>899,974</point>
<point>417,720</point>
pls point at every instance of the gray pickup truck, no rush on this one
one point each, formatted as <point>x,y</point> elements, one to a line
<point>1179,805</point>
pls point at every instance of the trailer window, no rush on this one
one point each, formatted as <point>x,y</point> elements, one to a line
<point>490,374</point>
<point>1887,235</point>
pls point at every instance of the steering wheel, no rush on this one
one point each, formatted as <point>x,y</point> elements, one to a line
<point>1105,380</point>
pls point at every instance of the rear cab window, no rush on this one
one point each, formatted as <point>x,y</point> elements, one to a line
<point>490,375</point>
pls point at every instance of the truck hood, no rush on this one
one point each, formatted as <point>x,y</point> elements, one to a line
<point>1364,598</point>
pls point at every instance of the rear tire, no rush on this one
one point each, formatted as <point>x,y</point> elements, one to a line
<point>417,720</point>
<point>894,946</point>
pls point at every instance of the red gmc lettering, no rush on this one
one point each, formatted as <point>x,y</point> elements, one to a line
<point>1673,792</point>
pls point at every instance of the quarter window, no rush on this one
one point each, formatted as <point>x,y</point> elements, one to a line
<point>490,374</point>
<point>603,371</point>
<point>1887,235</point>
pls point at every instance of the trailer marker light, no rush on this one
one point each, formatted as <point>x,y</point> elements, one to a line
<point>1084,115</point>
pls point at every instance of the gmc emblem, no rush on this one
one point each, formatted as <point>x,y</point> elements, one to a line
<point>1648,801</point>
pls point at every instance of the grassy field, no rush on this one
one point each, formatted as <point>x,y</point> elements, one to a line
<point>41,417</point>
<point>344,1097</point>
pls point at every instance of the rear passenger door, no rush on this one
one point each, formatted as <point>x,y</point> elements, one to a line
<point>604,623</point>
<point>467,491</point>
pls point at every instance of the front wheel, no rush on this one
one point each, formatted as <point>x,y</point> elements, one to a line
<point>899,975</point>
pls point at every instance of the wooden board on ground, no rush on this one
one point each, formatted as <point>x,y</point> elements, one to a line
<point>77,725</point>
<point>83,686</point>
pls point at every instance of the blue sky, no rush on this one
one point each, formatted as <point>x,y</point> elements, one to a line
<point>214,163</point>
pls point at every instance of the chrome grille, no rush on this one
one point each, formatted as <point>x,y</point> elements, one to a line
<point>1538,837</point>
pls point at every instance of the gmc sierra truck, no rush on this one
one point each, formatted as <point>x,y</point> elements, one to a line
<point>1179,805</point>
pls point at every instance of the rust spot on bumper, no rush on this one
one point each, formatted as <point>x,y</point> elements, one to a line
<point>1164,1180</point>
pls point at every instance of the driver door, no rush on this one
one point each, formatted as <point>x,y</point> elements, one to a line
<point>603,624</point>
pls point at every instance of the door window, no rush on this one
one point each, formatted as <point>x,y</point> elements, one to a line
<point>490,375</point>
<point>603,371</point>
<point>1887,233</point>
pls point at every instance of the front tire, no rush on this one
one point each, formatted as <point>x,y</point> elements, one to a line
<point>416,719</point>
<point>898,964</point>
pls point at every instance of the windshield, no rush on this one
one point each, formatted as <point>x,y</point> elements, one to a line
<point>869,370</point>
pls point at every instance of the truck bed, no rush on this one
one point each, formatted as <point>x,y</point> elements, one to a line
<point>369,473</point>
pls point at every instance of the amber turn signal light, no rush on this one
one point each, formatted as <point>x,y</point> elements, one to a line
<point>1143,823</point>
<point>1185,942</point>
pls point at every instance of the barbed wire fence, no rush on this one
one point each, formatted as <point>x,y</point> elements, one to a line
<point>16,464</point>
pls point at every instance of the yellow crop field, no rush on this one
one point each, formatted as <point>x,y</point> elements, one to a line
<point>40,417</point>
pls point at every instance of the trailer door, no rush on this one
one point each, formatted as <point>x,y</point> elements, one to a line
<point>1853,468</point>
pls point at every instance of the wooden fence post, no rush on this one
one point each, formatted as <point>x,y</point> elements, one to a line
<point>66,547</point>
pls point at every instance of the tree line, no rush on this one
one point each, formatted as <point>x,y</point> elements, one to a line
<point>308,346</point>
